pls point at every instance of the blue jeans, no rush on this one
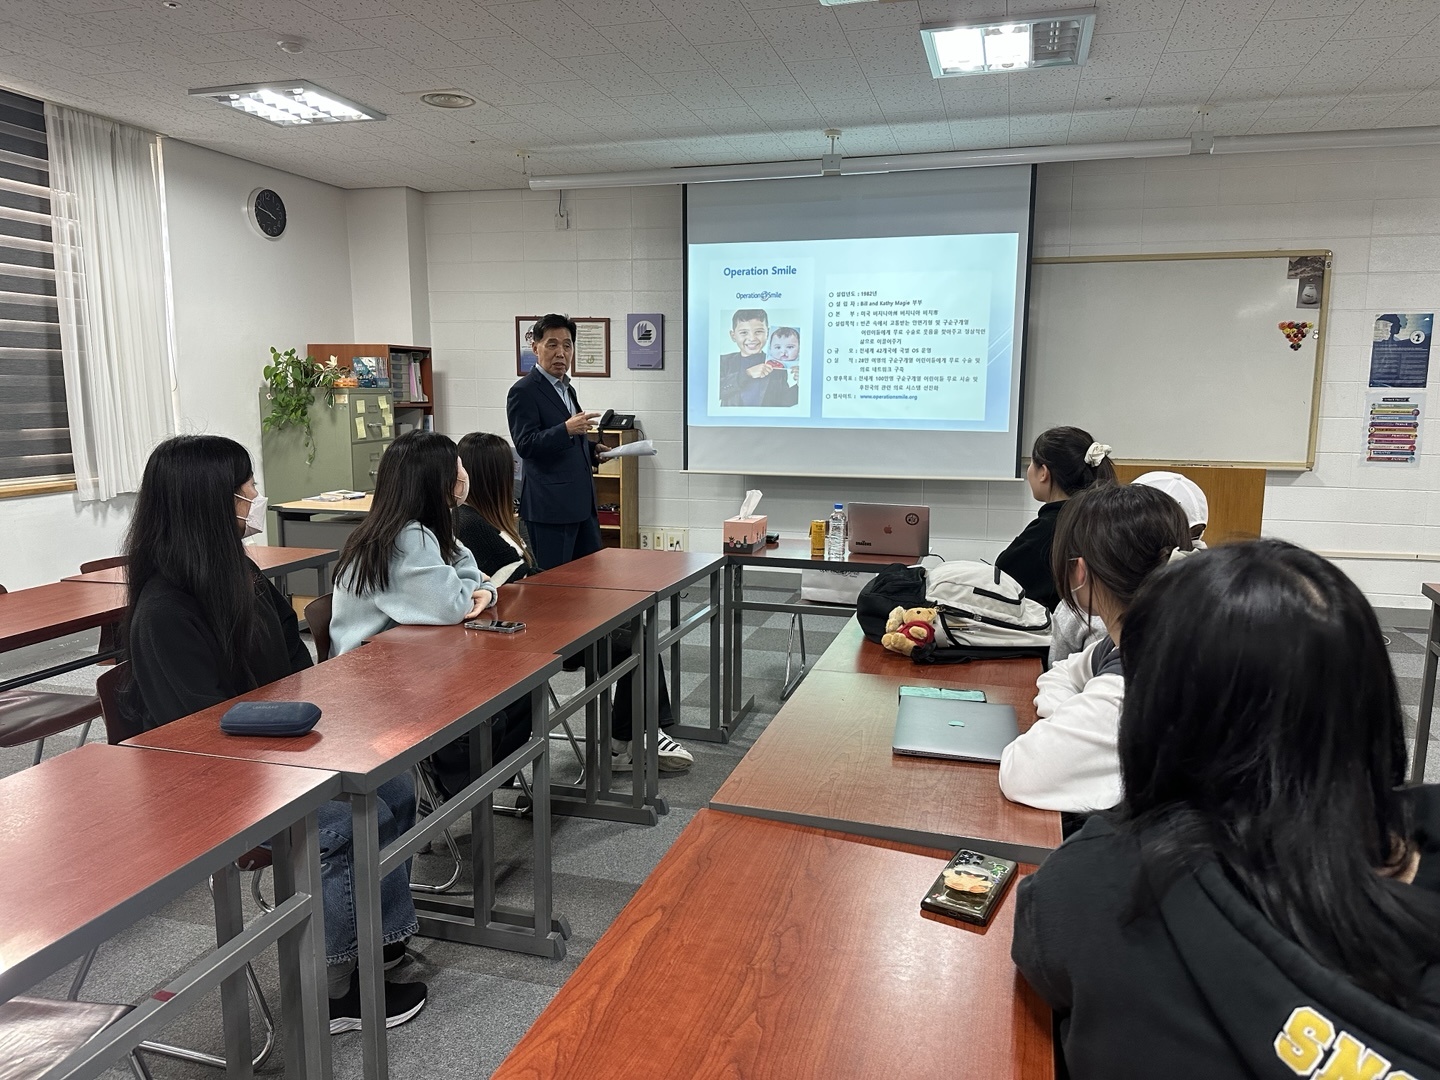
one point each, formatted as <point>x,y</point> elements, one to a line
<point>396,799</point>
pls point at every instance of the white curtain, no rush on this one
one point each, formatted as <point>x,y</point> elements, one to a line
<point>110,281</point>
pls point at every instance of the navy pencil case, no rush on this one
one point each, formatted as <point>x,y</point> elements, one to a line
<point>281,719</point>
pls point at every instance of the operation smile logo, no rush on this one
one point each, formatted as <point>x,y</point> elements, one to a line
<point>766,295</point>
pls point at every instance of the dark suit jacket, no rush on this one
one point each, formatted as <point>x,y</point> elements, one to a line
<point>558,488</point>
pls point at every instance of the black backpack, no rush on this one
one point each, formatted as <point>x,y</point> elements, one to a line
<point>906,586</point>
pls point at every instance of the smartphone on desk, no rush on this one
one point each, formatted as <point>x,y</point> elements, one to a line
<point>498,626</point>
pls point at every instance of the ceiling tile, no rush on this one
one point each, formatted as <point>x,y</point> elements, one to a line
<point>1310,9</point>
<point>1251,84</point>
<point>780,103</point>
<point>749,63</point>
<point>664,111</point>
<point>1136,15</point>
<point>1286,43</point>
<point>1388,19</point>
<point>1339,67</point>
<point>712,22</point>
<point>1124,56</point>
<point>726,121</point>
<point>615,12</point>
<point>358,9</point>
<point>552,27</point>
<point>1193,74</point>
<point>989,102</point>
<point>934,12</point>
<point>970,134</point>
<point>654,46</point>
<point>808,33</point>
<point>1113,93</point>
<point>487,85</point>
<point>616,73</point>
<point>1214,24</point>
<point>411,39</point>
<point>706,89</point>
<point>855,18</point>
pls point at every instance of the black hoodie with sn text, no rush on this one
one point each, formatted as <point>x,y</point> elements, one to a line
<point>1203,987</point>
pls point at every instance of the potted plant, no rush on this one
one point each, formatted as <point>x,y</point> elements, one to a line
<point>291,382</point>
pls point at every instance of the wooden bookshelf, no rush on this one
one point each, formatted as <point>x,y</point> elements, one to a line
<point>419,413</point>
<point>618,482</point>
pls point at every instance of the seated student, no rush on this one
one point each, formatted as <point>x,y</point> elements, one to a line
<point>1190,497</point>
<point>1109,540</point>
<point>1064,462</point>
<point>486,524</point>
<point>1069,633</point>
<point>403,565</point>
<point>1266,900</point>
<point>204,626</point>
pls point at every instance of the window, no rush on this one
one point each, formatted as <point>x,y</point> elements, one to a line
<point>34,427</point>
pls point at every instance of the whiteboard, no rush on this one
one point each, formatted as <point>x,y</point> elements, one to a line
<point>1176,358</point>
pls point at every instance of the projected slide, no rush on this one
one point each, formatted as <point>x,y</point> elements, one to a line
<point>857,325</point>
<point>890,331</point>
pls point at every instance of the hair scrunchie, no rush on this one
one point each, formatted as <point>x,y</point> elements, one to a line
<point>1097,453</point>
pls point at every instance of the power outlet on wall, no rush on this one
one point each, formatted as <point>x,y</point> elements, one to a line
<point>646,539</point>
<point>676,539</point>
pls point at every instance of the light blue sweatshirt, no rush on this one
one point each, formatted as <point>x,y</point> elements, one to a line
<point>424,590</point>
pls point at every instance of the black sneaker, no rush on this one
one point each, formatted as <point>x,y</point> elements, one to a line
<point>394,954</point>
<point>402,1002</point>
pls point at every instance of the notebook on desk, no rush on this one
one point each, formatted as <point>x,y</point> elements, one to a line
<point>956,730</point>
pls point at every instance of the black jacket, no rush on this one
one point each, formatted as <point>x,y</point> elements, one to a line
<point>492,552</point>
<point>1204,986</point>
<point>1027,559</point>
<point>178,666</point>
<point>558,487</point>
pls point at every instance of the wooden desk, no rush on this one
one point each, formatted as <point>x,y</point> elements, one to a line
<point>783,953</point>
<point>305,509</point>
<point>566,620</point>
<point>665,574</point>
<point>1427,687</point>
<point>52,611</point>
<point>273,562</point>
<point>851,652</point>
<point>100,837</point>
<point>792,554</point>
<point>383,708</point>
<point>826,761</point>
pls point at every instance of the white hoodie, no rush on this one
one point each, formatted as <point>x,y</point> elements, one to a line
<point>1067,760</point>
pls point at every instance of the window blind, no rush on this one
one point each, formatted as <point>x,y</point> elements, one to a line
<point>34,427</point>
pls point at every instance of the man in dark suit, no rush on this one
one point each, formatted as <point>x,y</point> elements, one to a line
<point>547,426</point>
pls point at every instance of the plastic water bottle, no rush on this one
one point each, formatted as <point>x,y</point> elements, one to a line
<point>837,531</point>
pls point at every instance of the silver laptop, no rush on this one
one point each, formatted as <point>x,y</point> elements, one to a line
<point>958,730</point>
<point>889,529</point>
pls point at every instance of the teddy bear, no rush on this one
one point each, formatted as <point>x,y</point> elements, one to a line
<point>907,629</point>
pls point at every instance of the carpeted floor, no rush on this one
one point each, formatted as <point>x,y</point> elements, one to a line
<point>482,1000</point>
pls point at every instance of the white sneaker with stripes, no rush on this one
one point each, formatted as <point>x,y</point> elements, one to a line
<point>672,756</point>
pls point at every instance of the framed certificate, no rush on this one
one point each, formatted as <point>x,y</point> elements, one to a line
<point>592,349</point>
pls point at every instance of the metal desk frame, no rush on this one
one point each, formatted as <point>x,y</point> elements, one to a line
<point>1427,687</point>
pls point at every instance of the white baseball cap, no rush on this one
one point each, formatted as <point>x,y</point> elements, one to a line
<point>1184,491</point>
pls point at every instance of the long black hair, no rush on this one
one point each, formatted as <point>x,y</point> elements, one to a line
<point>1124,534</point>
<point>490,463</point>
<point>184,531</point>
<point>1062,450</point>
<point>415,482</point>
<point>1262,726</point>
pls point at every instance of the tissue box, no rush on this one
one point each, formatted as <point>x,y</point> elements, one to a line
<point>744,535</point>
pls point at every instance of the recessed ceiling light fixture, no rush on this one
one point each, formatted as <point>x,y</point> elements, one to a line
<point>289,104</point>
<point>1055,39</point>
<point>448,99</point>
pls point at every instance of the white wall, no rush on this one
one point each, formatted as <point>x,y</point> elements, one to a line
<point>494,255</point>
<point>236,293</point>
<point>390,294</point>
<point>1380,214</point>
